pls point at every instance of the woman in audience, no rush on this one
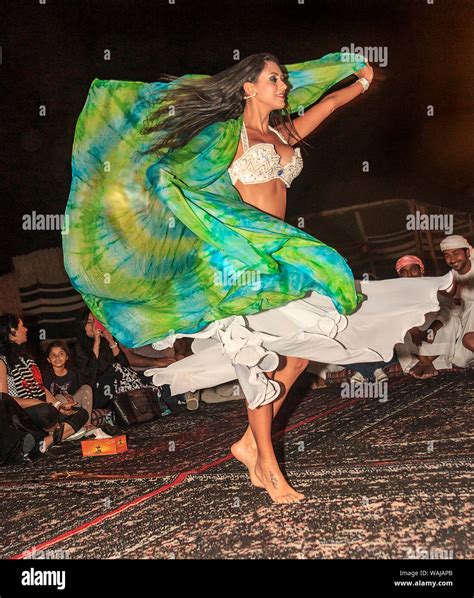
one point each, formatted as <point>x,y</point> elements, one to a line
<point>62,380</point>
<point>20,377</point>
<point>101,363</point>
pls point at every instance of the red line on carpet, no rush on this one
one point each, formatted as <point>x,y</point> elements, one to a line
<point>180,478</point>
<point>318,416</point>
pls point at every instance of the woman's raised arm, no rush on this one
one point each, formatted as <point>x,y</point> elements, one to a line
<point>313,117</point>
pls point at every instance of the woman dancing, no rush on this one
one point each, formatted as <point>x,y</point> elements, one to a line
<point>194,243</point>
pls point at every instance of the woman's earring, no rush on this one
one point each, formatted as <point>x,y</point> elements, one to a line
<point>247,97</point>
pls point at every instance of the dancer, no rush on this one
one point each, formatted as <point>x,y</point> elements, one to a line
<point>162,245</point>
<point>264,161</point>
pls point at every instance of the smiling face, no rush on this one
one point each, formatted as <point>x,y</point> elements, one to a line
<point>58,357</point>
<point>410,271</point>
<point>458,259</point>
<point>19,335</point>
<point>270,86</point>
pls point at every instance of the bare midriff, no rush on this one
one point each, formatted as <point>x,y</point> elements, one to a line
<point>269,197</point>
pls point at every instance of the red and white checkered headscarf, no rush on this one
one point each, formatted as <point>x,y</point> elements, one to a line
<point>406,260</point>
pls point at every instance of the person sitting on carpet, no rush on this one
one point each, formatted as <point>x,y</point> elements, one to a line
<point>425,349</point>
<point>103,365</point>
<point>20,377</point>
<point>62,380</point>
<point>429,347</point>
<point>457,252</point>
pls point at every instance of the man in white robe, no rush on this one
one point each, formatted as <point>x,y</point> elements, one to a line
<point>431,346</point>
<point>458,254</point>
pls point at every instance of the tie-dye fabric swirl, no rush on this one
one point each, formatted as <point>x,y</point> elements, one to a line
<point>157,246</point>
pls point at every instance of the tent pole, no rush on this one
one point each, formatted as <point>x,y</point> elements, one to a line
<point>366,243</point>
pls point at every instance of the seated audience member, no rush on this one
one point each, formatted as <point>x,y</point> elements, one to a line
<point>458,255</point>
<point>102,364</point>
<point>20,377</point>
<point>62,380</point>
<point>425,349</point>
<point>429,347</point>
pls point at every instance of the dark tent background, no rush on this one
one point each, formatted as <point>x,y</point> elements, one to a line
<point>51,51</point>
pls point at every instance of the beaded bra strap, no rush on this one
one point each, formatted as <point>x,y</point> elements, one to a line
<point>245,140</point>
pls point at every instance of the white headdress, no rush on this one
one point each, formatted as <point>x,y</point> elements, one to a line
<point>454,242</point>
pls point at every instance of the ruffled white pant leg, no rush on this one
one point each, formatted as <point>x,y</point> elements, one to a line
<point>205,369</point>
<point>224,352</point>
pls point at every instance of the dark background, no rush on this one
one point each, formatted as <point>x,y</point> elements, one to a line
<point>51,53</point>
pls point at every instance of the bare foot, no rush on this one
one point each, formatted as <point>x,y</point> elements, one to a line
<point>247,454</point>
<point>275,484</point>
<point>423,370</point>
<point>429,370</point>
<point>417,371</point>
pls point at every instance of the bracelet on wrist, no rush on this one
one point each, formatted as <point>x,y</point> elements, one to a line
<point>114,345</point>
<point>57,404</point>
<point>364,82</point>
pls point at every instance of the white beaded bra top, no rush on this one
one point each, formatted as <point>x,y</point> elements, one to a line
<point>261,163</point>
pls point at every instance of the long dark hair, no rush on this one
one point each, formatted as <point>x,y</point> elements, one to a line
<point>189,106</point>
<point>86,342</point>
<point>10,350</point>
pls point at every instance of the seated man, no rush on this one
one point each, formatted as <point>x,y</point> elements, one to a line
<point>457,253</point>
<point>429,347</point>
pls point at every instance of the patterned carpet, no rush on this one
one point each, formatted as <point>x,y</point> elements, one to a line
<point>382,480</point>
